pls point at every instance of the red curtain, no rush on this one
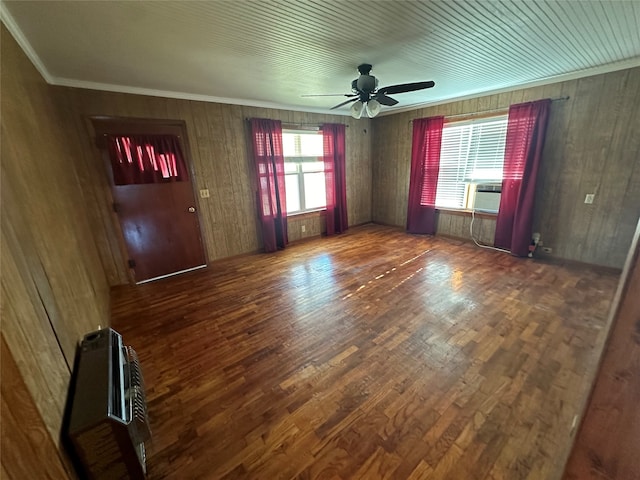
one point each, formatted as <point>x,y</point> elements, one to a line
<point>333,136</point>
<point>269,161</point>
<point>523,150</point>
<point>423,183</point>
<point>139,159</point>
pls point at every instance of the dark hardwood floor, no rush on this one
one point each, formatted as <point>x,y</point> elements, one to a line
<point>373,354</point>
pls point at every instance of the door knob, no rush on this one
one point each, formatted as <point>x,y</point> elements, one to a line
<point>192,209</point>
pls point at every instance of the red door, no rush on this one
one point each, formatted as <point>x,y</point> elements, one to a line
<point>159,221</point>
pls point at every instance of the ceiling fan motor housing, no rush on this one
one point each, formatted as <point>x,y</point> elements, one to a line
<point>366,83</point>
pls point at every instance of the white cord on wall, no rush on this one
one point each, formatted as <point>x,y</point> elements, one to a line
<point>473,217</point>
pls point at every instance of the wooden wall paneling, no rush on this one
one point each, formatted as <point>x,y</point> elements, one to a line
<point>54,288</point>
<point>205,158</point>
<point>46,196</point>
<point>391,168</point>
<point>469,105</point>
<point>549,186</point>
<point>244,162</point>
<point>24,436</point>
<point>618,147</point>
<point>458,224</point>
<point>485,230</point>
<point>220,174</point>
<point>443,222</point>
<point>359,137</point>
<point>603,114</point>
<point>631,200</point>
<point>27,329</point>
<point>462,226</point>
<point>570,198</point>
<point>487,103</point>
<point>47,199</point>
<point>315,225</point>
<point>240,217</point>
<point>95,188</point>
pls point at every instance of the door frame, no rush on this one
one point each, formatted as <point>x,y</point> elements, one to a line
<point>103,125</point>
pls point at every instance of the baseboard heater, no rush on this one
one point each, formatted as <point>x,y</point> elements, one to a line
<point>107,423</point>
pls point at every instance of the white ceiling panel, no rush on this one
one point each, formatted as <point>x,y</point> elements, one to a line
<point>270,53</point>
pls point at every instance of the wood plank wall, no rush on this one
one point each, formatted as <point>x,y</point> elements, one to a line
<point>592,146</point>
<point>220,151</point>
<point>24,435</point>
<point>54,289</point>
<point>460,225</point>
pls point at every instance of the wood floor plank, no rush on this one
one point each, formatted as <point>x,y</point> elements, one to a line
<point>372,354</point>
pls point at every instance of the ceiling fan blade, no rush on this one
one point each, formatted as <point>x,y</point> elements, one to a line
<point>331,95</point>
<point>384,100</point>
<point>405,87</point>
<point>344,103</point>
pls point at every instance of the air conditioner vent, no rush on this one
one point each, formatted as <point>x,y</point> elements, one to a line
<point>489,187</point>
<point>487,197</point>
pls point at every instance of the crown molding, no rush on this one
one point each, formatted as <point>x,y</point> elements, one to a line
<point>108,87</point>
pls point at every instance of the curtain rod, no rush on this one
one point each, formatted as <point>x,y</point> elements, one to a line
<point>300,125</point>
<point>446,117</point>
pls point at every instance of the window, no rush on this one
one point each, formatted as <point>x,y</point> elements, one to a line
<point>472,153</point>
<point>137,159</point>
<point>304,171</point>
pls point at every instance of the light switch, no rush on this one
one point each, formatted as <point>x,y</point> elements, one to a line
<point>589,198</point>
<point>204,193</point>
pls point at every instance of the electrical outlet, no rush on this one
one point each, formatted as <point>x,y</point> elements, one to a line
<point>589,198</point>
<point>304,228</point>
<point>204,193</point>
<point>547,249</point>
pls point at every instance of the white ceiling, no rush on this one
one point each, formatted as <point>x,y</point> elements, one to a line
<point>269,53</point>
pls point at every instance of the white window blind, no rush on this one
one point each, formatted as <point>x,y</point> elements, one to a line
<point>472,152</point>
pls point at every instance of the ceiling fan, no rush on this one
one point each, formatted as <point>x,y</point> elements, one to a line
<point>367,96</point>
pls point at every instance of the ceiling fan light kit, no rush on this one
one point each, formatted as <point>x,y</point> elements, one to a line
<point>373,108</point>
<point>367,95</point>
<point>356,109</point>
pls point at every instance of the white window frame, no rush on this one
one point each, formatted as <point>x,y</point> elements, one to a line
<point>299,160</point>
<point>462,149</point>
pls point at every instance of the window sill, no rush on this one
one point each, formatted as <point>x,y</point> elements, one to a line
<point>466,213</point>
<point>303,215</point>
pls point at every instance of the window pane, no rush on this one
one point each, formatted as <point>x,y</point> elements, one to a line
<point>312,166</point>
<point>290,167</point>
<point>288,144</point>
<point>293,192</point>
<point>486,151</point>
<point>311,145</point>
<point>302,144</point>
<point>314,190</point>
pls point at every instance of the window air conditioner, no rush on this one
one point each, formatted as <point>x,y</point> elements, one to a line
<point>487,197</point>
